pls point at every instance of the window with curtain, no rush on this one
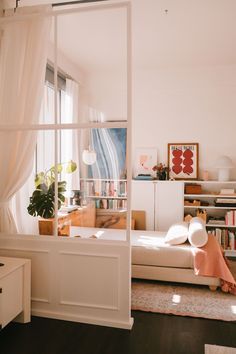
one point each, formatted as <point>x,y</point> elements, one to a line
<point>67,97</point>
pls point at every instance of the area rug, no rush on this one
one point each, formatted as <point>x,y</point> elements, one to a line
<point>215,349</point>
<point>183,300</point>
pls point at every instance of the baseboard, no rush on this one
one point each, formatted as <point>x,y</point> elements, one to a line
<point>84,319</point>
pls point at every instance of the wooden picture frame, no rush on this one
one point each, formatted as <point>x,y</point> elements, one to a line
<point>183,160</point>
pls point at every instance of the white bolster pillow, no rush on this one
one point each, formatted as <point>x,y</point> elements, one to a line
<point>177,233</point>
<point>197,234</point>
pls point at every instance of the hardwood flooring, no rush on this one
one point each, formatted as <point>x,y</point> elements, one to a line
<point>151,334</point>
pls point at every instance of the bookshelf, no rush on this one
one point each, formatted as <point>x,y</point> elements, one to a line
<point>220,216</point>
<point>108,194</point>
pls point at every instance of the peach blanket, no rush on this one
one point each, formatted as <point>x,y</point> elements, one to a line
<point>209,260</point>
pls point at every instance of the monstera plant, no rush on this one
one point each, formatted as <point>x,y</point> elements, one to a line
<point>42,201</point>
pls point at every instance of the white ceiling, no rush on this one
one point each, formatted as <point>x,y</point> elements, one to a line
<point>190,32</point>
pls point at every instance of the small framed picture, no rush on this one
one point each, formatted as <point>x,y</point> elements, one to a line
<point>183,160</point>
<point>145,159</point>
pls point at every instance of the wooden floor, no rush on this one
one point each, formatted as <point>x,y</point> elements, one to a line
<point>151,334</point>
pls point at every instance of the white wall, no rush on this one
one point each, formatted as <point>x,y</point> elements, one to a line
<point>107,93</point>
<point>192,104</point>
<point>171,105</point>
<point>184,78</point>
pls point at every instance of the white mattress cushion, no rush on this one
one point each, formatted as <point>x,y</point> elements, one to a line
<point>149,248</point>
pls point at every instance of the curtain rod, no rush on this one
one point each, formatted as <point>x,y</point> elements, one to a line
<point>74,2</point>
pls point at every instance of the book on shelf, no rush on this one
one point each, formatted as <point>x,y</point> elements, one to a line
<point>230,218</point>
<point>223,202</point>
<point>227,191</point>
<point>111,204</point>
<point>216,222</point>
<point>143,178</point>
<point>104,188</point>
<point>226,238</point>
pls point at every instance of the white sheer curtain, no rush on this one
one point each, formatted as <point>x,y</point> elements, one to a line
<point>23,53</point>
<point>27,224</point>
<point>70,139</point>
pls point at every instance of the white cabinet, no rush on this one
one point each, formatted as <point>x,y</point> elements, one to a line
<point>14,290</point>
<point>143,198</point>
<point>168,204</point>
<point>161,200</point>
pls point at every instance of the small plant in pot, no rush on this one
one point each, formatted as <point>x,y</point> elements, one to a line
<point>161,171</point>
<point>42,201</point>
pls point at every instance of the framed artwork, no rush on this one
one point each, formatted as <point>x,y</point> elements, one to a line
<point>145,159</point>
<point>183,160</point>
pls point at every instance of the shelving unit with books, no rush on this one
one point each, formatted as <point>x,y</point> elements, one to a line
<point>108,194</point>
<point>215,202</point>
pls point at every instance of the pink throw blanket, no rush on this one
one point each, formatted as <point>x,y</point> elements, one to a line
<point>209,260</point>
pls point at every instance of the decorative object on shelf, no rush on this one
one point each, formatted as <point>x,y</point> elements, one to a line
<point>192,202</point>
<point>42,201</point>
<point>144,160</point>
<point>223,164</point>
<point>89,156</point>
<point>183,160</point>
<point>193,189</point>
<point>161,171</point>
<point>202,214</point>
<point>205,175</point>
<point>144,177</point>
<point>188,217</point>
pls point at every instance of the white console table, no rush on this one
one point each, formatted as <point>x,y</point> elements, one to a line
<point>15,290</point>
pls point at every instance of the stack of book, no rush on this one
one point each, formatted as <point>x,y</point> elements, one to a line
<point>223,202</point>
<point>230,218</point>
<point>213,221</point>
<point>226,238</point>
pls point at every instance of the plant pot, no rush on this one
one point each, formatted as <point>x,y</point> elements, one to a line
<point>162,176</point>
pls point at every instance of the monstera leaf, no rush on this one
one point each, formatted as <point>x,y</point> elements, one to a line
<point>42,201</point>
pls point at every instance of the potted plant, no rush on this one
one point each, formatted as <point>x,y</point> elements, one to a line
<point>161,171</point>
<point>42,201</point>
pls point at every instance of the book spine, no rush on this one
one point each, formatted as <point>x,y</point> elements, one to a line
<point>231,240</point>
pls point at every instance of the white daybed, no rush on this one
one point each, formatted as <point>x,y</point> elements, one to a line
<point>152,258</point>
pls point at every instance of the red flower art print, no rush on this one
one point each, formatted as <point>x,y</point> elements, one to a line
<point>183,160</point>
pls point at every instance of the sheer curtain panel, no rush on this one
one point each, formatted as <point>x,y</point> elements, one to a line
<point>23,55</point>
<point>70,139</point>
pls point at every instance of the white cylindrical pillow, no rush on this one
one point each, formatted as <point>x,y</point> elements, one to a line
<point>177,233</point>
<point>197,234</point>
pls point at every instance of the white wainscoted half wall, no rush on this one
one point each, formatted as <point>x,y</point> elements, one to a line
<point>76,279</point>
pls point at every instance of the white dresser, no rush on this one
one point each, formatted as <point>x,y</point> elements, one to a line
<point>15,290</point>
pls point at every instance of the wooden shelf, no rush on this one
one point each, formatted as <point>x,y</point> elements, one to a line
<point>227,196</point>
<point>208,207</point>
<point>209,193</point>
<point>203,182</point>
<point>105,197</point>
<point>230,253</point>
<point>110,211</point>
<point>221,226</point>
<point>103,179</point>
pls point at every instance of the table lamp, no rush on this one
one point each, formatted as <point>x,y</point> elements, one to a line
<point>223,164</point>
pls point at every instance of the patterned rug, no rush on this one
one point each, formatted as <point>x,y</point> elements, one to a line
<point>215,349</point>
<point>183,300</point>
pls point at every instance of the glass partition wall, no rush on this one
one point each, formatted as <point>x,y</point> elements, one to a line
<point>73,213</point>
<point>82,138</point>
